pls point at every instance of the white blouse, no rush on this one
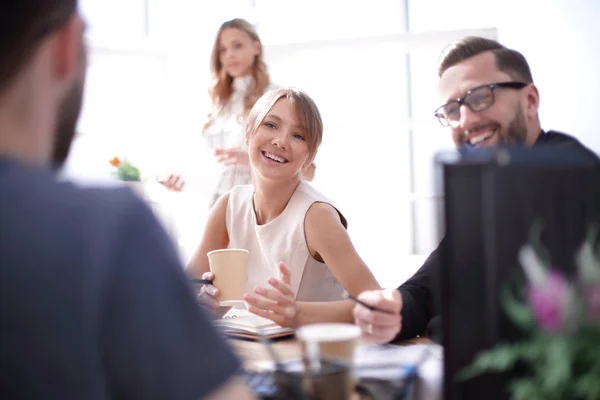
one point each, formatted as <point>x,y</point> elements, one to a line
<point>282,239</point>
<point>228,131</point>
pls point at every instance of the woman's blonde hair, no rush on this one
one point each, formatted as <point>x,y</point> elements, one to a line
<point>306,110</point>
<point>220,88</point>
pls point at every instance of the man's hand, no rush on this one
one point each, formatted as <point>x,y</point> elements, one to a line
<point>379,326</point>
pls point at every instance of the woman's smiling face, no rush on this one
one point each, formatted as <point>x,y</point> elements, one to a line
<point>279,148</point>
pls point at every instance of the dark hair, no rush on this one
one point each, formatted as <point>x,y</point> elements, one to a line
<point>23,24</point>
<point>508,61</point>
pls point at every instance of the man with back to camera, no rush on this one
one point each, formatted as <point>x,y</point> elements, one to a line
<point>94,302</point>
<point>490,100</point>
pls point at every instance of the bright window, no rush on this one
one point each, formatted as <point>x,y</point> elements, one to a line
<point>373,81</point>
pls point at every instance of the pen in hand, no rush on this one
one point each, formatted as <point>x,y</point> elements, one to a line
<point>202,281</point>
<point>362,303</point>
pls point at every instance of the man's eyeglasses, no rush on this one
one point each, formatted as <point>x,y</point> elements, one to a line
<point>476,99</point>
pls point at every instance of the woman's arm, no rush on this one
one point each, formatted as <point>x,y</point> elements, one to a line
<point>278,304</point>
<point>215,237</point>
<point>328,239</point>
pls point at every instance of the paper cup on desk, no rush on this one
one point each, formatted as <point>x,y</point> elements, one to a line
<point>328,355</point>
<point>335,341</point>
<point>229,267</point>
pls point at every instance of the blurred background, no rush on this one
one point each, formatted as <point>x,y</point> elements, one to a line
<point>371,68</point>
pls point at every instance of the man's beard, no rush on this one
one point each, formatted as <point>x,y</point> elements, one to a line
<point>68,115</point>
<point>516,132</point>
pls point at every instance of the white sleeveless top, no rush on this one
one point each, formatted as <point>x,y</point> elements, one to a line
<point>281,240</point>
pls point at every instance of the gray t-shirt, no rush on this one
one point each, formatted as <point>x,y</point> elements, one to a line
<point>94,303</point>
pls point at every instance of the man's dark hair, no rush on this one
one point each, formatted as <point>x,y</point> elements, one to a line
<point>23,24</point>
<point>508,61</point>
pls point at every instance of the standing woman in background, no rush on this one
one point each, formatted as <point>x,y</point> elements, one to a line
<point>239,79</point>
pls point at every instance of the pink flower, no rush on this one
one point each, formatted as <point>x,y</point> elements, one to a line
<point>593,303</point>
<point>551,301</point>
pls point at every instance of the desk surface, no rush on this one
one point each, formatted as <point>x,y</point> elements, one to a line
<point>253,352</point>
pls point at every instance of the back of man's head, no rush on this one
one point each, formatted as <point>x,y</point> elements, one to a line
<point>23,23</point>
<point>508,61</point>
<point>42,75</point>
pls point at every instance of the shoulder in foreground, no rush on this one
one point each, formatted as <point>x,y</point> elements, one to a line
<point>71,217</point>
<point>105,199</point>
<point>568,142</point>
<point>106,209</point>
<point>53,196</point>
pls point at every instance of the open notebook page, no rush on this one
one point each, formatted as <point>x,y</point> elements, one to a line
<point>241,320</point>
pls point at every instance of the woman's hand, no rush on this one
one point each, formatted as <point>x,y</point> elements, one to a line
<point>233,156</point>
<point>207,296</point>
<point>276,303</point>
<point>174,183</point>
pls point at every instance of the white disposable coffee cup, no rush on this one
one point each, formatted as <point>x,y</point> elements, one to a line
<point>230,269</point>
<point>328,342</point>
<point>335,340</point>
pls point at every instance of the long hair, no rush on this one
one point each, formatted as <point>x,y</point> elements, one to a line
<point>220,88</point>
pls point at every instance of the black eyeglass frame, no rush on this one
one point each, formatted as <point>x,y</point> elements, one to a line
<point>464,100</point>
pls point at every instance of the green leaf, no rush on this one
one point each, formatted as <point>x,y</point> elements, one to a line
<point>127,172</point>
<point>535,239</point>
<point>524,389</point>
<point>587,386</point>
<point>555,372</point>
<point>518,312</point>
<point>534,349</point>
<point>501,358</point>
<point>588,262</point>
<point>592,235</point>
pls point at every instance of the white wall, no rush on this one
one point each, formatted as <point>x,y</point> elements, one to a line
<point>360,87</point>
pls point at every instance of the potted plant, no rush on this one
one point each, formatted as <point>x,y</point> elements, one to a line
<point>128,173</point>
<point>561,321</point>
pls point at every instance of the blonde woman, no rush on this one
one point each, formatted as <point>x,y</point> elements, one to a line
<point>301,256</point>
<point>239,78</point>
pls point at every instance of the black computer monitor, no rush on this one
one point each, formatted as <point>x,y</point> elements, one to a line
<point>492,199</point>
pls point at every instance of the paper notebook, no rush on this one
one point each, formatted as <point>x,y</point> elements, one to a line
<point>242,323</point>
